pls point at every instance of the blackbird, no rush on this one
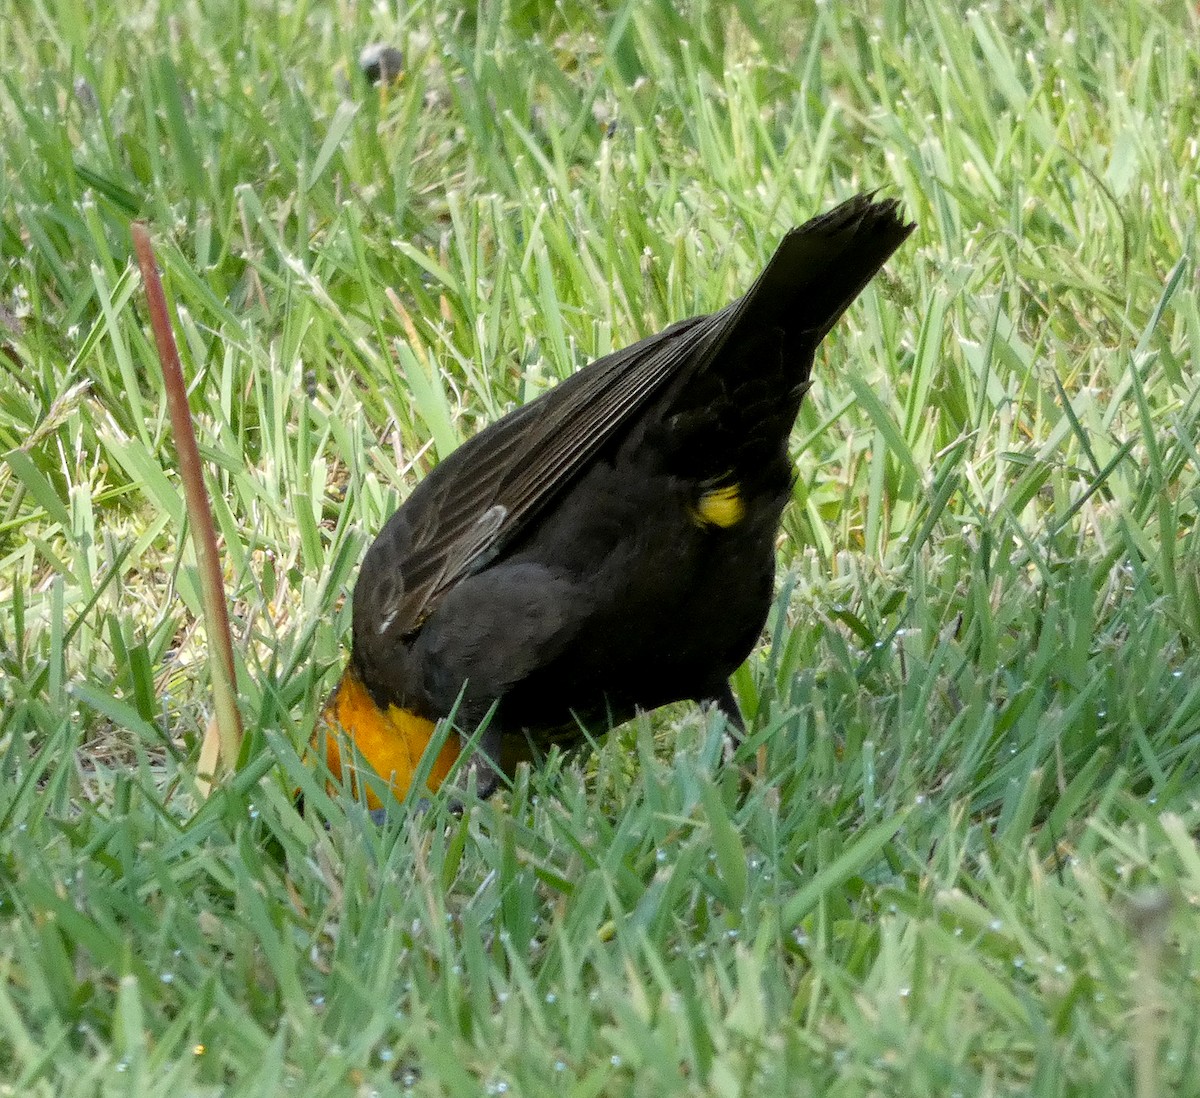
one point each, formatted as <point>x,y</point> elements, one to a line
<point>608,547</point>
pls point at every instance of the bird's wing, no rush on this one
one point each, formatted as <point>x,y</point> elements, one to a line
<point>477,500</point>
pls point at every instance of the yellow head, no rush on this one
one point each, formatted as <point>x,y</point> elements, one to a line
<point>391,741</point>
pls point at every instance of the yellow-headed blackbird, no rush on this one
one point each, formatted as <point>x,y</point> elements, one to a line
<point>609,546</point>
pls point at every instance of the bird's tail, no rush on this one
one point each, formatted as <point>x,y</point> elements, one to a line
<point>818,270</point>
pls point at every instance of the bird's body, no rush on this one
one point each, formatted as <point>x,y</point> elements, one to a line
<point>611,545</point>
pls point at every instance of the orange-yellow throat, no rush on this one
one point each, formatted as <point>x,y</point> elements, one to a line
<point>391,741</point>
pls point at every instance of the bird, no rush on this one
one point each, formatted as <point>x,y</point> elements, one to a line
<point>605,549</point>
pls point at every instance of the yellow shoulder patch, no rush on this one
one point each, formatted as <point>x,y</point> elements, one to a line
<point>722,506</point>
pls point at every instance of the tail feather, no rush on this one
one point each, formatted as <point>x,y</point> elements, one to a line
<point>821,267</point>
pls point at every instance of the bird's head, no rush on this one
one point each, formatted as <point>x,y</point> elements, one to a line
<point>354,732</point>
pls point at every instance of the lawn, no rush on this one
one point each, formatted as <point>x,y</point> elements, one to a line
<point>956,854</point>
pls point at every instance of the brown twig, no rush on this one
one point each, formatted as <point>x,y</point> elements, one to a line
<point>204,536</point>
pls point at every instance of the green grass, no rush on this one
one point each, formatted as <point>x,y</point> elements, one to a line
<point>957,853</point>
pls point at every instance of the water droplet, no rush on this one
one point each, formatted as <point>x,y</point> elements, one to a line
<point>386,1055</point>
<point>995,924</point>
<point>167,977</point>
<point>560,1065</point>
<point>1018,962</point>
<point>615,1060</point>
<point>905,992</point>
<point>551,998</point>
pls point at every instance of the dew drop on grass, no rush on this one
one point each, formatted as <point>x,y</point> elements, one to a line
<point>559,1065</point>
<point>615,1060</point>
<point>995,924</point>
<point>1018,962</point>
<point>551,998</point>
<point>385,1055</point>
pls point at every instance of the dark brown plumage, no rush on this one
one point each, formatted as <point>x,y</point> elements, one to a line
<point>611,545</point>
